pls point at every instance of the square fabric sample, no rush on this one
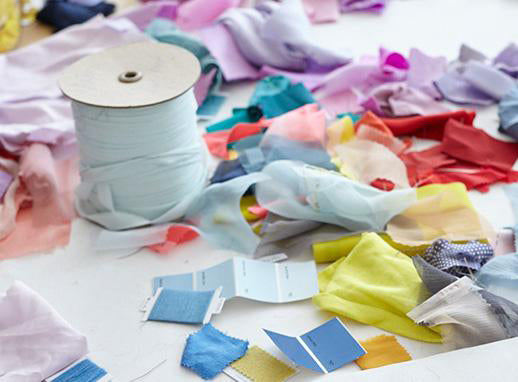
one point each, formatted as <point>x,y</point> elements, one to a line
<point>84,371</point>
<point>184,306</point>
<point>260,366</point>
<point>381,351</point>
<point>208,351</point>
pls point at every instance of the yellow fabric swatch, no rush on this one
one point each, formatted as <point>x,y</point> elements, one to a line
<point>376,285</point>
<point>260,366</point>
<point>9,24</point>
<point>340,131</point>
<point>248,201</point>
<point>381,351</point>
<point>441,211</point>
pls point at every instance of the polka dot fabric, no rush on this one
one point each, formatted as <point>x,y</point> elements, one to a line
<point>458,259</point>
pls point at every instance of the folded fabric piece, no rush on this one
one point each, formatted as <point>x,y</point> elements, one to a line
<point>436,280</point>
<point>382,350</point>
<point>260,366</point>
<point>399,99</point>
<point>368,161</point>
<point>476,146</point>
<point>194,14</point>
<point>277,35</point>
<point>185,306</point>
<point>466,319</point>
<point>226,170</point>
<point>36,341</point>
<point>500,276</point>
<point>32,108</point>
<point>321,11</point>
<point>38,204</point>
<point>376,285</point>
<point>299,191</point>
<point>458,259</point>
<point>362,5</point>
<point>276,103</point>
<point>427,126</point>
<point>239,115</point>
<point>474,80</point>
<point>507,60</point>
<point>508,113</point>
<point>441,211</point>
<point>208,351</point>
<point>166,31</point>
<point>372,128</point>
<point>85,370</point>
<point>61,14</point>
<point>10,26</point>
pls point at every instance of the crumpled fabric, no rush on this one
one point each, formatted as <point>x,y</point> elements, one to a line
<point>195,14</point>
<point>250,114</point>
<point>38,203</point>
<point>508,113</point>
<point>372,128</point>
<point>476,81</point>
<point>441,211</point>
<point>165,31</point>
<point>458,259</point>
<point>507,60</point>
<point>375,285</point>
<point>362,5</point>
<point>427,126</point>
<point>367,161</point>
<point>466,319</point>
<point>500,276</point>
<point>349,87</point>
<point>299,191</point>
<point>276,95</point>
<point>271,34</point>
<point>226,170</point>
<point>398,99</point>
<point>11,28</point>
<point>208,351</point>
<point>32,107</point>
<point>36,341</point>
<point>61,14</point>
<point>297,135</point>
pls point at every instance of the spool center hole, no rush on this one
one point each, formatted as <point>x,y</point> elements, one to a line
<point>130,76</point>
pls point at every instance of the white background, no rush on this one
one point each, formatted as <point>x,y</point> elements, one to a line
<point>100,294</point>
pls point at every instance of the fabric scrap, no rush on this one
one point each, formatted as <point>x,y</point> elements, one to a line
<point>183,306</point>
<point>61,14</point>
<point>382,350</point>
<point>176,234</point>
<point>376,285</point>
<point>508,114</point>
<point>85,370</point>
<point>208,351</point>
<point>36,341</point>
<point>500,276</point>
<point>260,366</point>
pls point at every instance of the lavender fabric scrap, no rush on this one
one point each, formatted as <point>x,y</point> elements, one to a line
<point>362,5</point>
<point>208,351</point>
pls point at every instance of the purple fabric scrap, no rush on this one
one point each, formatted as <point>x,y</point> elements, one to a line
<point>362,5</point>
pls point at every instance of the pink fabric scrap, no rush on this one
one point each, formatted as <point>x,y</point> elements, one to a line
<point>176,234</point>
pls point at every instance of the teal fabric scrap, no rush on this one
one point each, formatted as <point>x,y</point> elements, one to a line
<point>239,115</point>
<point>84,371</point>
<point>211,105</point>
<point>276,95</point>
<point>354,117</point>
<point>183,306</point>
<point>209,351</point>
<point>167,32</point>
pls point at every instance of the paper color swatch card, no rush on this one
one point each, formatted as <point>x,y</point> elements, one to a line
<point>323,349</point>
<point>253,279</point>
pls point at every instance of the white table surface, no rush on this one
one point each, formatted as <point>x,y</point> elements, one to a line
<point>100,294</point>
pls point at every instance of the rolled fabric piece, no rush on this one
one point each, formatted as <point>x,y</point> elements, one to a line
<point>36,341</point>
<point>508,113</point>
<point>299,191</point>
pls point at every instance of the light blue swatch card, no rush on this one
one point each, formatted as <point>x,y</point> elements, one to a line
<point>323,349</point>
<point>253,279</point>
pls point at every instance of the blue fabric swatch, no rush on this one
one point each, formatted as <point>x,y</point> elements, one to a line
<point>226,170</point>
<point>84,371</point>
<point>211,105</point>
<point>511,190</point>
<point>181,306</point>
<point>61,13</point>
<point>209,351</point>
<point>508,113</point>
